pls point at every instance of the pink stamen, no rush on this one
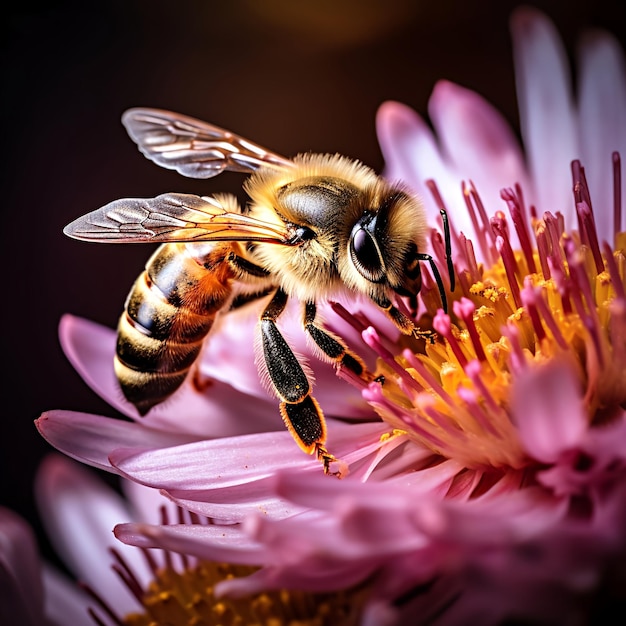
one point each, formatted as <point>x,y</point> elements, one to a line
<point>374,394</point>
<point>430,380</point>
<point>517,362</point>
<point>543,249</point>
<point>476,410</point>
<point>503,246</point>
<point>124,571</point>
<point>529,299</point>
<point>611,265</point>
<point>348,317</point>
<point>443,421</point>
<point>102,604</point>
<point>473,370</point>
<point>578,196</point>
<point>476,211</point>
<point>562,285</point>
<point>442,324</point>
<point>464,309</point>
<point>521,227</point>
<point>371,338</point>
<point>466,250</point>
<point>581,294</point>
<point>547,316</point>
<point>591,236</point>
<point>555,231</point>
<point>617,192</point>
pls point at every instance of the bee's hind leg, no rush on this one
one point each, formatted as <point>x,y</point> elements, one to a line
<point>299,409</point>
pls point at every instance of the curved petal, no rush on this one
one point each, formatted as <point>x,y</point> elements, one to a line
<point>478,142</point>
<point>412,156</point>
<point>231,462</point>
<point>212,542</point>
<point>548,408</point>
<point>92,438</point>
<point>65,602</point>
<point>79,513</point>
<point>547,114</point>
<point>602,98</point>
<point>218,411</point>
<point>21,590</point>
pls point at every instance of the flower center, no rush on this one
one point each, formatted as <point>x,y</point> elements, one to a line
<point>557,295</point>
<point>184,596</point>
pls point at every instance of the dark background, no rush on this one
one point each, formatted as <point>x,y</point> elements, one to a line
<point>292,76</point>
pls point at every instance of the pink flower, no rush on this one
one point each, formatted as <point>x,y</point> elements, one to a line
<point>490,486</point>
<point>78,511</point>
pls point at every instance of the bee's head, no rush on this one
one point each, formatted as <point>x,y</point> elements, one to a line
<point>385,240</point>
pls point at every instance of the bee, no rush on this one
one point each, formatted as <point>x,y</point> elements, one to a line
<point>315,225</point>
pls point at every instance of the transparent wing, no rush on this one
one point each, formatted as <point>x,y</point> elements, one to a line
<point>194,148</point>
<point>172,217</point>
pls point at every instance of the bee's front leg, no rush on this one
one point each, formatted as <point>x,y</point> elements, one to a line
<point>299,409</point>
<point>405,324</point>
<point>331,346</point>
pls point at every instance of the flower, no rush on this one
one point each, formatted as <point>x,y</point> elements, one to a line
<point>78,511</point>
<point>121,584</point>
<point>491,486</point>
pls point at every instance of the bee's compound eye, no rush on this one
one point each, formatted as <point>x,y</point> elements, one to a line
<point>365,254</point>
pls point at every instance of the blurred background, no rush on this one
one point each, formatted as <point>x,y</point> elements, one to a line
<point>292,76</point>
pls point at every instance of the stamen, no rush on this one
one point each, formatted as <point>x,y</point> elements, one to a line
<point>582,296</point>
<point>517,361</point>
<point>476,209</point>
<point>503,246</point>
<point>616,280</point>
<point>543,249</point>
<point>371,338</point>
<point>521,227</point>
<point>586,219</point>
<point>529,301</point>
<point>441,323</point>
<point>123,570</point>
<point>104,606</point>
<point>617,192</point>
<point>464,309</point>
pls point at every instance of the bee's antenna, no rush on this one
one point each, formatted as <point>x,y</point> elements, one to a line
<point>446,234</point>
<point>422,256</point>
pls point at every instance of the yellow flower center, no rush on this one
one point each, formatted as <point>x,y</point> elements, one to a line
<point>186,598</point>
<point>561,297</point>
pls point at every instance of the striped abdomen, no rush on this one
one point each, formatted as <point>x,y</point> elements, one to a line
<point>168,313</point>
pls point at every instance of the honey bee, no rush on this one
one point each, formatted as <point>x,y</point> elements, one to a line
<point>316,225</point>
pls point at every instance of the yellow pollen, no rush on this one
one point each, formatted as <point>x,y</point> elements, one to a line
<point>186,598</point>
<point>459,405</point>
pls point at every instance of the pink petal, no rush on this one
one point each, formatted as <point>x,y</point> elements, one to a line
<point>228,462</point>
<point>548,408</point>
<point>65,602</point>
<point>478,141</point>
<point>547,116</point>
<point>213,542</point>
<point>412,156</point>
<point>218,411</point>
<point>79,513</point>
<point>602,97</point>
<point>91,438</point>
<point>304,576</point>
<point>21,590</point>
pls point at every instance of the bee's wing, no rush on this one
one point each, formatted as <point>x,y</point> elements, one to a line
<point>172,217</point>
<point>194,148</point>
